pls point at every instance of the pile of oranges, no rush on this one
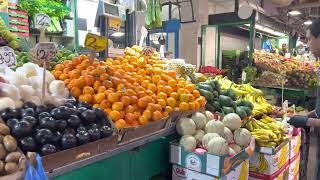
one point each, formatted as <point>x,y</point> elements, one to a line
<point>133,89</point>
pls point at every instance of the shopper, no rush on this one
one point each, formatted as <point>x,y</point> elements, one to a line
<point>168,55</point>
<point>312,120</point>
<point>284,50</point>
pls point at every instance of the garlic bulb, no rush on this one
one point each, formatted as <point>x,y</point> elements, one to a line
<point>9,90</point>
<point>6,102</point>
<point>26,91</point>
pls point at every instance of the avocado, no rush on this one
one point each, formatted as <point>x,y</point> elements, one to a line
<point>216,105</point>
<point>215,93</point>
<point>207,94</point>
<point>205,87</point>
<point>227,110</point>
<point>212,84</point>
<point>225,100</point>
<point>234,104</point>
<point>232,95</point>
<point>241,112</point>
<point>209,107</point>
<point>247,110</point>
<point>247,104</point>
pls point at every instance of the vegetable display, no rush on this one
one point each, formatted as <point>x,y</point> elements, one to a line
<point>133,89</point>
<point>47,129</point>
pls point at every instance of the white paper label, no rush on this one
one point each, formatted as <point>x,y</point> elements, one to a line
<point>175,154</point>
<point>213,165</point>
<point>244,76</point>
<point>7,57</point>
<point>42,21</point>
<point>46,51</point>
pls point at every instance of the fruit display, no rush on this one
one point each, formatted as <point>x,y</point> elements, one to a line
<point>47,129</point>
<point>301,79</point>
<point>6,37</point>
<point>133,89</point>
<point>248,93</point>
<point>25,84</point>
<point>225,101</point>
<point>267,131</point>
<point>210,71</point>
<point>202,133</point>
<point>11,157</point>
<point>22,58</point>
<point>268,78</point>
<point>250,74</point>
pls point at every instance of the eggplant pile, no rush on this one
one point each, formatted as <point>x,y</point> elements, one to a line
<point>47,129</point>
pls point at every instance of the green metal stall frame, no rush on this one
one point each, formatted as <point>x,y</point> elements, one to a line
<point>217,26</point>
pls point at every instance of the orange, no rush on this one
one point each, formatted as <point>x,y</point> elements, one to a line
<point>197,105</point>
<point>165,114</point>
<point>147,114</point>
<point>155,79</point>
<point>152,87</point>
<point>157,115</point>
<point>141,94</point>
<point>107,84</point>
<point>201,100</point>
<point>190,87</point>
<point>101,89</point>
<point>113,97</point>
<point>142,102</point>
<point>145,83</point>
<point>142,72</point>
<point>88,90</point>
<point>96,85</point>
<point>75,91</point>
<point>162,95</point>
<point>184,106</point>
<point>89,79</point>
<point>149,92</point>
<point>76,61</point>
<point>143,120</point>
<point>196,93</point>
<point>168,109</point>
<point>172,83</point>
<point>115,81</point>
<point>120,123</point>
<point>63,76</point>
<point>168,90</point>
<point>96,106</point>
<point>135,123</point>
<point>117,106</point>
<point>125,100</point>
<point>184,98</point>
<point>57,73</point>
<point>129,109</point>
<point>105,104</point>
<point>129,118</point>
<point>150,107</point>
<point>191,98</point>
<point>171,102</point>
<point>161,82</point>
<point>182,91</point>
<point>172,74</point>
<point>99,97</point>
<point>59,67</point>
<point>133,99</point>
<point>175,95</point>
<point>192,105</point>
<point>114,115</point>
<point>139,78</point>
<point>74,74</point>
<point>162,102</point>
<point>85,98</point>
<point>157,107</point>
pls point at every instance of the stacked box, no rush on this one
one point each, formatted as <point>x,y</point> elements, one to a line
<point>206,163</point>
<point>240,173</point>
<point>269,163</point>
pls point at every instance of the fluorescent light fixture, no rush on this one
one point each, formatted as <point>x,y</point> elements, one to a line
<point>267,30</point>
<point>294,13</point>
<point>117,34</point>
<point>308,22</point>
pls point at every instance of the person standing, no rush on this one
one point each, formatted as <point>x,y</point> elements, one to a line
<point>284,49</point>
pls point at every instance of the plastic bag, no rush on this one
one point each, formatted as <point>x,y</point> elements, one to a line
<point>37,173</point>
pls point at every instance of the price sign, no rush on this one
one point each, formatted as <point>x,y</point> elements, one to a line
<point>7,57</point>
<point>43,21</point>
<point>243,76</point>
<point>46,51</point>
<point>95,43</point>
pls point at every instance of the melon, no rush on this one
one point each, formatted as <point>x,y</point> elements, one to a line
<point>199,119</point>
<point>186,126</point>
<point>209,115</point>
<point>235,147</point>
<point>188,142</point>
<point>227,135</point>
<point>207,137</point>
<point>199,135</point>
<point>232,121</point>
<point>242,137</point>
<point>218,146</point>
<point>214,127</point>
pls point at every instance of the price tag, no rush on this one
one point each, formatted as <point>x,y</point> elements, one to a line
<point>95,42</point>
<point>45,51</point>
<point>43,21</point>
<point>7,57</point>
<point>243,76</point>
<point>114,24</point>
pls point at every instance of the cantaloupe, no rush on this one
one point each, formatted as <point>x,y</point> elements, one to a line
<point>186,126</point>
<point>209,116</point>
<point>235,147</point>
<point>232,121</point>
<point>218,146</point>
<point>227,135</point>
<point>199,135</point>
<point>242,137</point>
<point>207,137</point>
<point>188,142</point>
<point>200,120</point>
<point>214,127</point>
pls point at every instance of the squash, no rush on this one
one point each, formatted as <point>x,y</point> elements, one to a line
<point>214,127</point>
<point>209,115</point>
<point>207,137</point>
<point>199,135</point>
<point>242,137</point>
<point>200,120</point>
<point>232,121</point>
<point>218,146</point>
<point>235,147</point>
<point>186,126</point>
<point>227,135</point>
<point>188,142</point>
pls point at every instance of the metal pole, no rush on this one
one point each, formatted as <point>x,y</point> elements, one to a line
<point>252,37</point>
<point>76,32</point>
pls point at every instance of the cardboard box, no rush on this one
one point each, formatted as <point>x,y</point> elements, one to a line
<point>206,163</point>
<point>295,144</point>
<point>268,161</point>
<point>281,174</point>
<point>241,172</point>
<point>294,168</point>
<point>58,159</point>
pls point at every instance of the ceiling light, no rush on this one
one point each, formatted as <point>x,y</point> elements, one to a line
<point>294,13</point>
<point>117,34</point>
<point>308,22</point>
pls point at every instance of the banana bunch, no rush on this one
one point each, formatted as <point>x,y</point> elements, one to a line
<point>260,104</point>
<point>267,132</point>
